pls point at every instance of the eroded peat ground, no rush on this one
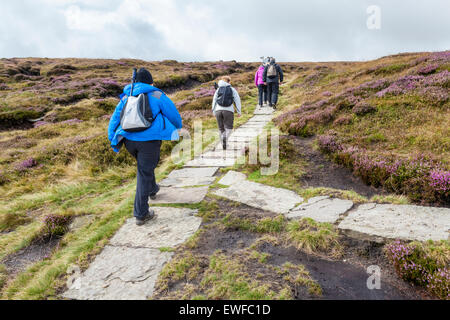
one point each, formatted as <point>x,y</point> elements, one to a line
<point>229,260</point>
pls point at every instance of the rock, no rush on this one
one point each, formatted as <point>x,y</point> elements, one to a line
<point>261,196</point>
<point>170,227</point>
<point>246,133</point>
<point>223,154</point>
<point>232,177</point>
<point>240,139</point>
<point>193,172</point>
<point>260,118</point>
<point>80,222</point>
<point>208,162</point>
<point>264,110</point>
<point>187,182</point>
<point>120,273</point>
<point>180,195</point>
<point>233,145</point>
<point>321,209</point>
<point>253,125</point>
<point>407,222</point>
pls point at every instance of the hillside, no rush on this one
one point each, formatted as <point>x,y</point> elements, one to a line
<point>376,131</point>
<point>387,120</point>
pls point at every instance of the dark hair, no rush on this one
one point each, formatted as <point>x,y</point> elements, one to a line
<point>144,76</point>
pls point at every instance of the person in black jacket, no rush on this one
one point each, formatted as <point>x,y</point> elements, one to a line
<point>272,77</point>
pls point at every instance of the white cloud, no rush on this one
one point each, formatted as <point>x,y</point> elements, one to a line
<point>214,30</point>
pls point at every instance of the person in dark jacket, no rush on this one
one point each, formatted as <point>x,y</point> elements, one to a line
<point>272,77</point>
<point>145,145</point>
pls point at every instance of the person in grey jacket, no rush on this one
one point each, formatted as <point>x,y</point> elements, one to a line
<point>225,114</point>
<point>273,82</point>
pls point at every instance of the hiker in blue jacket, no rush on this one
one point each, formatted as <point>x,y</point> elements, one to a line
<point>145,145</point>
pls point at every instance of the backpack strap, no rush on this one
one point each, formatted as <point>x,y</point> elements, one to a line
<point>158,94</point>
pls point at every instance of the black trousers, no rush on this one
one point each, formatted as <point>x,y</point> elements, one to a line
<point>147,154</point>
<point>272,92</point>
<point>262,94</point>
<point>225,121</point>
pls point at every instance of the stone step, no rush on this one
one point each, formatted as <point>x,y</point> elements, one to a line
<point>263,110</point>
<point>169,228</point>
<point>180,195</point>
<point>241,139</point>
<point>321,209</point>
<point>246,133</point>
<point>223,154</point>
<point>259,195</point>
<point>260,118</point>
<point>120,273</point>
<point>210,162</point>
<point>233,145</point>
<point>193,172</point>
<point>407,222</point>
<point>127,268</point>
<point>187,182</point>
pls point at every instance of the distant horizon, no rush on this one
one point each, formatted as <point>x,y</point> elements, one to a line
<point>206,61</point>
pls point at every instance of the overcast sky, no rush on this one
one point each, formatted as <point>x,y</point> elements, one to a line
<point>206,30</point>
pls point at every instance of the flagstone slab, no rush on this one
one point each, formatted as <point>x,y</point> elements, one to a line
<point>321,209</point>
<point>187,182</point>
<point>169,228</point>
<point>233,145</point>
<point>252,125</point>
<point>246,132</point>
<point>180,195</point>
<point>232,177</point>
<point>407,222</point>
<point>261,196</point>
<point>120,273</point>
<point>209,162</point>
<point>260,118</point>
<point>260,124</point>
<point>245,135</point>
<point>223,154</point>
<point>263,110</point>
<point>241,139</point>
<point>193,172</point>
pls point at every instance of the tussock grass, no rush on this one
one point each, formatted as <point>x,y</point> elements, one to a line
<point>298,275</point>
<point>305,234</point>
<point>226,279</point>
<point>313,237</point>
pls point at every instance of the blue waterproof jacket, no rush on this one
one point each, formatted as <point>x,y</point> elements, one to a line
<point>167,119</point>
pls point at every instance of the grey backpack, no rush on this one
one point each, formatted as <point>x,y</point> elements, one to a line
<point>272,71</point>
<point>136,115</point>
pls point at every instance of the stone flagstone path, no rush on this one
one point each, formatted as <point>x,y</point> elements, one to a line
<point>129,265</point>
<point>368,221</point>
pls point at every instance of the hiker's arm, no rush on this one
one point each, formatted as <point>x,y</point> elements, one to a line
<point>115,120</point>
<point>169,110</point>
<point>256,78</point>
<point>237,101</point>
<point>265,75</point>
<point>281,74</point>
<point>214,101</point>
